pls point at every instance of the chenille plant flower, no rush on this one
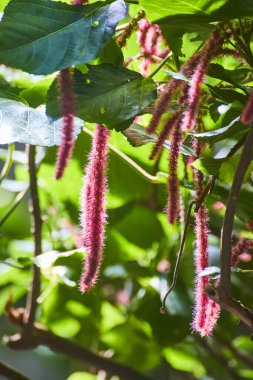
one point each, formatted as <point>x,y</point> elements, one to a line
<point>68,114</point>
<point>93,213</point>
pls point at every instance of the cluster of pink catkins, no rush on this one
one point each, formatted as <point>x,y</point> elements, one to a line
<point>188,96</point>
<point>150,40</point>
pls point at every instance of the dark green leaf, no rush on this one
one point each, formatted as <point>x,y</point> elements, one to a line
<point>208,165</point>
<point>106,94</point>
<point>138,136</point>
<point>235,128</point>
<point>41,36</point>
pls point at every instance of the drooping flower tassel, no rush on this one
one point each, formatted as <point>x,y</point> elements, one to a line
<point>68,113</point>
<point>170,90</point>
<point>211,49</point>
<point>150,39</point>
<point>173,186</point>
<point>206,311</point>
<point>247,115</point>
<point>93,213</point>
<point>200,323</point>
<point>167,128</point>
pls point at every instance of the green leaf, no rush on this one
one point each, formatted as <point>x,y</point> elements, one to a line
<point>231,76</point>
<point>47,259</point>
<point>41,36</point>
<point>233,129</point>
<point>106,94</point>
<point>201,9</point>
<point>138,136</point>
<point>20,123</point>
<point>208,165</point>
<point>209,271</point>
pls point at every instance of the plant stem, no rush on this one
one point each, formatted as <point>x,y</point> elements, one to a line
<point>226,237</point>
<point>164,61</point>
<point>31,305</point>
<point>8,163</point>
<point>15,203</point>
<point>137,168</point>
<point>11,373</point>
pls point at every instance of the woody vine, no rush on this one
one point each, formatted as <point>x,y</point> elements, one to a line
<point>170,112</point>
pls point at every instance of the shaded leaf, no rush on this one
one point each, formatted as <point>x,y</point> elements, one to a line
<point>233,129</point>
<point>106,94</point>
<point>138,136</point>
<point>41,36</point>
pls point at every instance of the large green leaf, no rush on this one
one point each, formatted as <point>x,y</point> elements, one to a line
<point>41,36</point>
<point>169,8</point>
<point>20,123</point>
<point>200,11</point>
<point>106,94</point>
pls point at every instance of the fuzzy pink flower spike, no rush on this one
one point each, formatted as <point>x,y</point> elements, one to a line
<point>206,311</point>
<point>68,113</point>
<point>173,186</point>
<point>200,323</point>
<point>93,214</point>
<point>167,129</point>
<point>247,115</point>
<point>150,39</point>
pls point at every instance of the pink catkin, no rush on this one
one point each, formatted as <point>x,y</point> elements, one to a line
<point>93,215</point>
<point>243,245</point>
<point>68,113</point>
<point>247,115</point>
<point>200,322</point>
<point>150,40</point>
<point>167,128</point>
<point>173,186</point>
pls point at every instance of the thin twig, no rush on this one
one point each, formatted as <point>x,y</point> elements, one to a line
<point>226,237</point>
<point>15,203</point>
<point>31,305</point>
<point>164,61</point>
<point>179,256</point>
<point>11,373</point>
<point>137,168</point>
<point>8,163</point>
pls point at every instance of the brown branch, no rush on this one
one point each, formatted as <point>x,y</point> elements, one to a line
<point>179,257</point>
<point>226,238</point>
<point>31,305</point>
<point>39,335</point>
<point>11,373</point>
<point>232,306</point>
